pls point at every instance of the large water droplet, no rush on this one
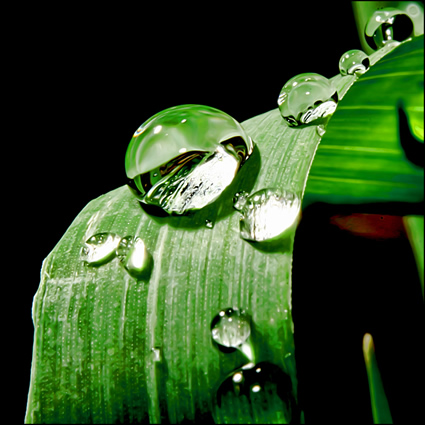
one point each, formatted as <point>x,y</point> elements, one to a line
<point>261,394</point>
<point>134,256</point>
<point>354,62</point>
<point>268,213</point>
<point>231,327</point>
<point>100,248</point>
<point>183,158</point>
<point>386,26</point>
<point>307,99</point>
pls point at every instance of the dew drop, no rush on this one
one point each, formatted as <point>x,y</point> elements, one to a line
<point>134,256</point>
<point>183,158</point>
<point>99,248</point>
<point>354,62</point>
<point>209,224</point>
<point>307,99</point>
<point>239,200</point>
<point>230,327</point>
<point>156,354</point>
<point>262,394</point>
<point>388,26</point>
<point>321,130</point>
<point>268,213</point>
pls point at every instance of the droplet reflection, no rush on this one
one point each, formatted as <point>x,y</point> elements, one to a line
<point>184,157</point>
<point>307,99</point>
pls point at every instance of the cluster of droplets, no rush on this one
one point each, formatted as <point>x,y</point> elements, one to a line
<point>255,390</point>
<point>311,99</point>
<point>131,251</point>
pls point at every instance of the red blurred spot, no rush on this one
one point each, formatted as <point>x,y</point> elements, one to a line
<point>371,226</point>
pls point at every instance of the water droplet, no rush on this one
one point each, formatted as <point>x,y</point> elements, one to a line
<point>354,62</point>
<point>156,354</point>
<point>321,130</point>
<point>209,224</point>
<point>239,200</point>
<point>99,248</point>
<point>262,394</point>
<point>386,26</point>
<point>191,167</point>
<point>135,257</point>
<point>268,213</point>
<point>230,327</point>
<point>307,99</point>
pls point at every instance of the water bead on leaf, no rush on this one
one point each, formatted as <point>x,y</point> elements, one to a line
<point>183,158</point>
<point>230,327</point>
<point>260,394</point>
<point>268,213</point>
<point>387,26</point>
<point>100,248</point>
<point>354,62</point>
<point>307,99</point>
<point>134,256</point>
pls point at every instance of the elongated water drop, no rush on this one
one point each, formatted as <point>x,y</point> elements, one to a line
<point>307,99</point>
<point>260,394</point>
<point>184,157</point>
<point>268,213</point>
<point>99,248</point>
<point>354,62</point>
<point>134,256</point>
<point>388,26</point>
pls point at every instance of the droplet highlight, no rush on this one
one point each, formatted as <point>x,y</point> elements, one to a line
<point>231,327</point>
<point>184,157</point>
<point>99,248</point>
<point>134,256</point>
<point>268,213</point>
<point>261,394</point>
<point>307,99</point>
<point>209,224</point>
<point>354,62</point>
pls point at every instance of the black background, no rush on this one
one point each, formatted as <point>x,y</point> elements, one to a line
<point>90,78</point>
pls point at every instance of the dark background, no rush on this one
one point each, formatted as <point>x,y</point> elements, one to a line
<point>90,78</point>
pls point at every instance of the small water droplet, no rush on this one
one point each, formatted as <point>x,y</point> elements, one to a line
<point>99,248</point>
<point>307,99</point>
<point>259,395</point>
<point>268,213</point>
<point>156,354</point>
<point>230,327</point>
<point>321,130</point>
<point>209,224</point>
<point>191,167</point>
<point>134,256</point>
<point>354,62</point>
<point>239,200</point>
<point>388,25</point>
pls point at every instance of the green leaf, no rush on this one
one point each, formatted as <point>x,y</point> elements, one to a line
<point>109,347</point>
<point>380,408</point>
<point>360,158</point>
